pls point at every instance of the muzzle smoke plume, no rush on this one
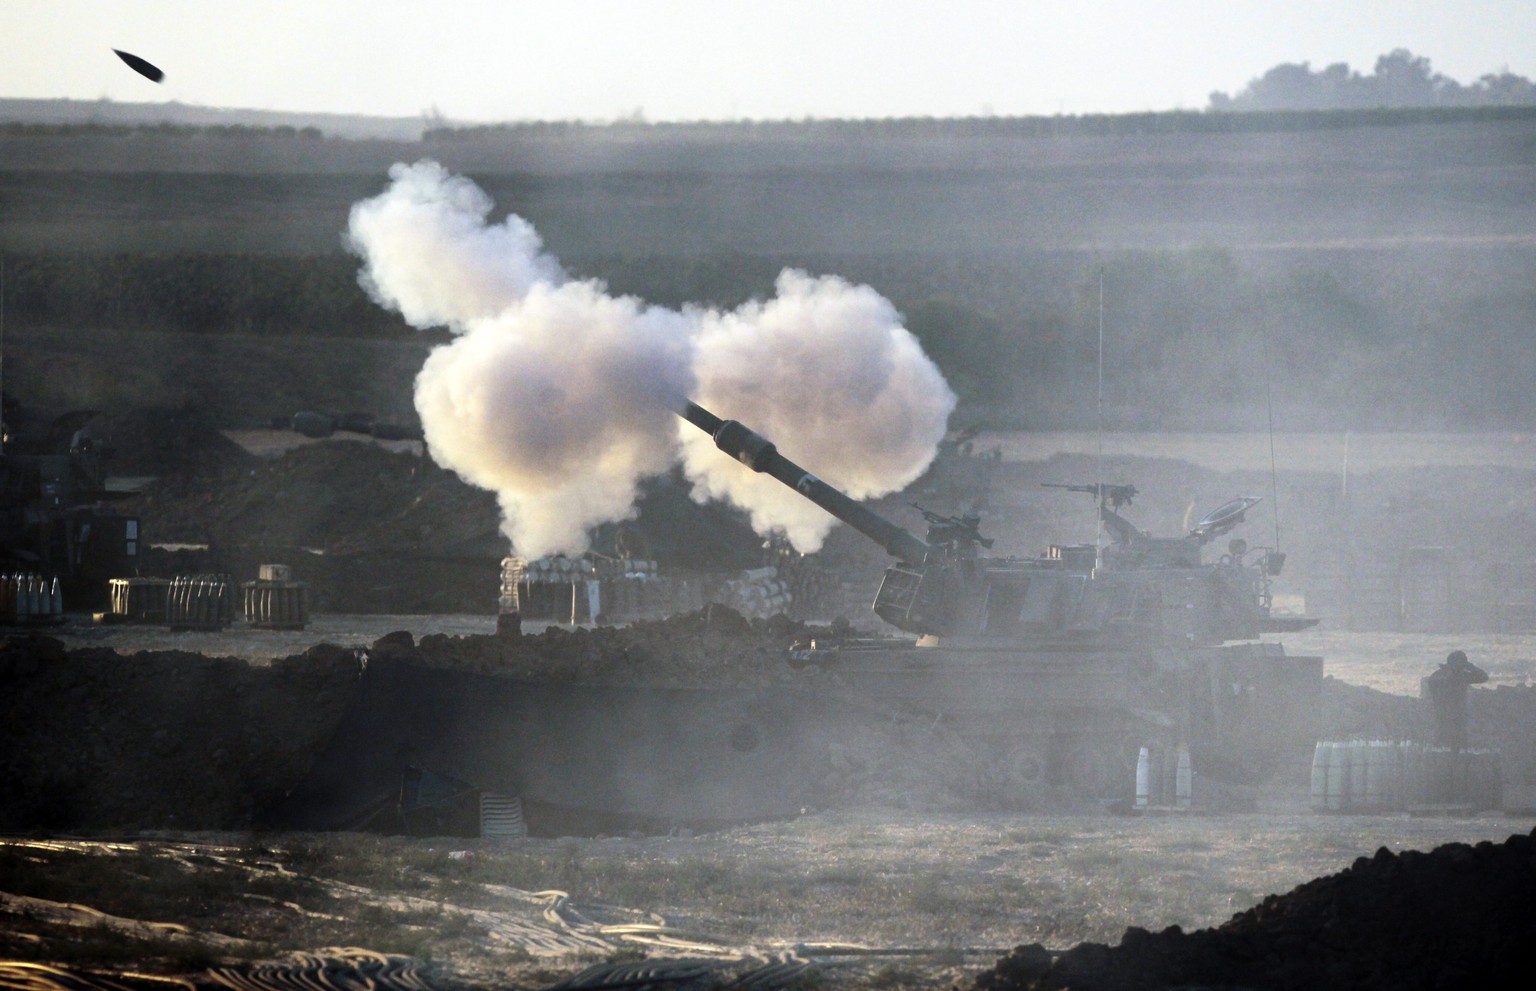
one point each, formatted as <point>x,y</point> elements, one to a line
<point>560,397</point>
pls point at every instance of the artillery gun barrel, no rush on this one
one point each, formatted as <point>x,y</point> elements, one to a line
<point>758,453</point>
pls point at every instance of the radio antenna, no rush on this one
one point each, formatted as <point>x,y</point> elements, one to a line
<point>1269,403</point>
<point>1098,510</point>
<point>2,352</point>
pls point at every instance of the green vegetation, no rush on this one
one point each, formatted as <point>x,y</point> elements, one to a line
<point>272,295</point>
<point>162,129</point>
<point>1193,339</point>
<point>1239,271</point>
<point>1400,79</point>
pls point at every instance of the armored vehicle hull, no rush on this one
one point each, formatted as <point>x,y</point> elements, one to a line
<point>1087,668</point>
<point>1082,678</point>
<point>931,728</point>
<point>1068,722</point>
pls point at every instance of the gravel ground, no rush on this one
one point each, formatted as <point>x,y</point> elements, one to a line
<point>909,902</point>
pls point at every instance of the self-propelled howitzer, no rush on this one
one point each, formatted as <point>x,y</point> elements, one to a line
<point>1142,588</point>
<point>1061,669</point>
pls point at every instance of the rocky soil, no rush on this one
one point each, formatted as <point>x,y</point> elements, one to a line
<point>1459,916</point>
<point>93,739</point>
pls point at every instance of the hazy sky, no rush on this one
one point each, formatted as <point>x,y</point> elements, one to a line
<point>691,59</point>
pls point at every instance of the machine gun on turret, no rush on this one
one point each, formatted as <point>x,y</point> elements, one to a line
<point>1111,498</point>
<point>957,532</point>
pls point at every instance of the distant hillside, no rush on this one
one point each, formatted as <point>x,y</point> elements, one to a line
<point>107,112</point>
<point>1378,266</point>
<point>976,186</point>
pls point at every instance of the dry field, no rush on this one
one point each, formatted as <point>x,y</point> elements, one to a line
<point>874,897</point>
<point>935,898</point>
<point>1394,662</point>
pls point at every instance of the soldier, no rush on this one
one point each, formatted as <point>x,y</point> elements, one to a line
<point>1446,692</point>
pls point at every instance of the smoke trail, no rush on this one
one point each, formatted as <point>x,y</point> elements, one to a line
<point>560,397</point>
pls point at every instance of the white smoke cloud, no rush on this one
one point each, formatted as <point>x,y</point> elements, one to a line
<point>559,405</point>
<point>560,398</point>
<point>429,253</point>
<point>826,371</point>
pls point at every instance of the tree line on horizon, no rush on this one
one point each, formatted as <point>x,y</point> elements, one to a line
<point>1400,79</point>
<point>1225,120</point>
<point>1402,88</point>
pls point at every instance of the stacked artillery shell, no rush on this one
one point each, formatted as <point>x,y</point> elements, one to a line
<point>30,599</point>
<point>510,600</point>
<point>546,587</point>
<point>557,570</point>
<point>199,602</point>
<point>1390,775</point>
<point>635,589</point>
<point>275,603</point>
<point>813,592</point>
<point>140,600</point>
<point>810,590</point>
<point>759,592</point>
<point>630,589</point>
<point>501,817</point>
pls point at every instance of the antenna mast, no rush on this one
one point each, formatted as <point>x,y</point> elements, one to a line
<point>1098,510</point>
<point>1269,404</point>
<point>2,352</point>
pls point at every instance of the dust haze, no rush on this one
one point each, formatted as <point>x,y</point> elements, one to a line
<point>542,299</point>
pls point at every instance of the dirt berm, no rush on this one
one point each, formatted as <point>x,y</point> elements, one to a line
<point>1458,917</point>
<point>95,739</point>
<point>98,740</point>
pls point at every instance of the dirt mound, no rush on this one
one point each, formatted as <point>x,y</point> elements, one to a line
<point>1460,916</point>
<point>369,529</point>
<point>337,496</point>
<point>380,531</point>
<point>172,738</point>
<point>168,441</point>
<point>95,739</point>
<point>713,647</point>
<point>350,497</point>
